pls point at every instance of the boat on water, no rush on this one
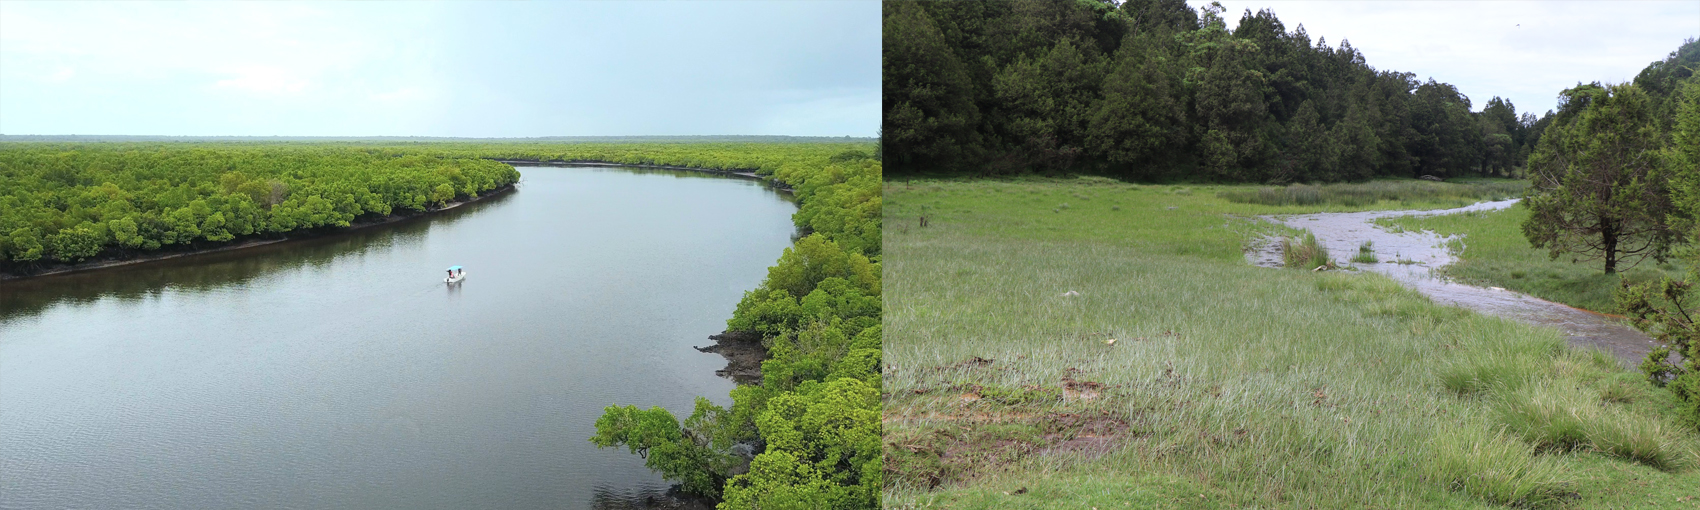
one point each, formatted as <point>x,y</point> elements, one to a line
<point>456,274</point>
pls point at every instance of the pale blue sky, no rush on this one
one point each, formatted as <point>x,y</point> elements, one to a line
<point>484,69</point>
<point>1479,46</point>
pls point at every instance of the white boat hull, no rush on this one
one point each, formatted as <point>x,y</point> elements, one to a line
<point>456,278</point>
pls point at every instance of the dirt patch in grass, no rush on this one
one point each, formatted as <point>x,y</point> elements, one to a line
<point>952,448</point>
<point>1073,391</point>
<point>1084,435</point>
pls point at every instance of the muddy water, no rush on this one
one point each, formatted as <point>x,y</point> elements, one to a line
<point>1342,233</point>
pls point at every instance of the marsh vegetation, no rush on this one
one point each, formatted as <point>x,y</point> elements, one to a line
<point>1225,385</point>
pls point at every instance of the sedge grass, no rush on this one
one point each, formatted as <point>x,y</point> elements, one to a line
<point>1241,386</point>
<point>1304,253</point>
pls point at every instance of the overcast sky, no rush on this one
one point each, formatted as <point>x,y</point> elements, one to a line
<point>486,69</point>
<point>1479,47</point>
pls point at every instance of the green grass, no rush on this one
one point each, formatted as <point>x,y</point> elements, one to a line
<point>1230,386</point>
<point>1493,252</point>
<point>1407,192</point>
<point>1366,254</point>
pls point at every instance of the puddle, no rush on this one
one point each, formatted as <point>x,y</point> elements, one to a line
<point>1342,233</point>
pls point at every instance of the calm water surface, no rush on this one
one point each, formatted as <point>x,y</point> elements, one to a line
<point>341,372</point>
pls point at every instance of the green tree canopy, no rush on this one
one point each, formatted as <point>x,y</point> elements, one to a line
<point>1599,182</point>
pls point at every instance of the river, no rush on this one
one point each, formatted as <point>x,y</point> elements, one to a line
<point>1343,233</point>
<point>341,372</point>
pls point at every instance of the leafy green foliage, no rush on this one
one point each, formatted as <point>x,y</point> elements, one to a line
<point>814,420</point>
<point>1599,189</point>
<point>1156,90</point>
<point>678,453</point>
<point>70,202</point>
<point>929,114</point>
<point>823,450</point>
<point>1665,309</point>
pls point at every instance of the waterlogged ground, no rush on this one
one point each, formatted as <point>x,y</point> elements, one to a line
<point>1411,257</point>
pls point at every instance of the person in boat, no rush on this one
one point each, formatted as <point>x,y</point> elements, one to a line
<point>451,273</point>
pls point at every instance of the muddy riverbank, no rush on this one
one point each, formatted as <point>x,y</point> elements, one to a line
<point>743,352</point>
<point>1411,258</point>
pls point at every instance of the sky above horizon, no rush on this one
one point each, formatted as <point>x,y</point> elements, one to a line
<point>1525,51</point>
<point>490,69</point>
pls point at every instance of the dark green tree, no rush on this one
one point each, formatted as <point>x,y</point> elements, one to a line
<point>1665,309</point>
<point>1598,181</point>
<point>682,453</point>
<point>1141,120</point>
<point>930,115</point>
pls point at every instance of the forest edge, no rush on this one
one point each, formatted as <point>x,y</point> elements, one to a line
<point>139,258</point>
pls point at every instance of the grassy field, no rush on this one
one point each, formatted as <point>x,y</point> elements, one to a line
<point>1493,252</point>
<point>1084,343</point>
<point>1407,192</point>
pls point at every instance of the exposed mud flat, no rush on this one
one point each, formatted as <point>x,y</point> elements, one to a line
<point>1411,257</point>
<point>970,429</point>
<point>743,352</point>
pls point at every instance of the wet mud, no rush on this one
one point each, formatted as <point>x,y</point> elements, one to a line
<point>743,352</point>
<point>1411,258</point>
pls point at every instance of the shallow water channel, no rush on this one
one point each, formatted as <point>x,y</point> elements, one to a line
<point>1342,233</point>
<point>341,372</point>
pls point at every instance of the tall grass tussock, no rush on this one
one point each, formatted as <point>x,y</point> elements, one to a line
<point>1304,253</point>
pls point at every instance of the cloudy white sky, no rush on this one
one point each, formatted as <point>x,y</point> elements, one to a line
<point>1480,47</point>
<point>485,69</point>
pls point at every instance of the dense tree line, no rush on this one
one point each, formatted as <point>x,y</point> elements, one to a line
<point>1155,90</point>
<point>837,184</point>
<point>72,202</point>
<point>811,428</point>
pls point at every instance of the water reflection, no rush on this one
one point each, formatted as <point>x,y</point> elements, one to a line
<point>647,497</point>
<point>1422,252</point>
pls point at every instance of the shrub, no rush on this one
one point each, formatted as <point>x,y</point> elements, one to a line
<point>1661,310</point>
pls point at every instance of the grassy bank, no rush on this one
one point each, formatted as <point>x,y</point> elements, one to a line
<point>1406,192</point>
<point>1176,375</point>
<point>1493,252</point>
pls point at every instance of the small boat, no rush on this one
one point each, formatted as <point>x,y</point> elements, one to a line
<point>456,274</point>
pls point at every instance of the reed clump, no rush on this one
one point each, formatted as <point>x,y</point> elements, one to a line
<point>1304,253</point>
